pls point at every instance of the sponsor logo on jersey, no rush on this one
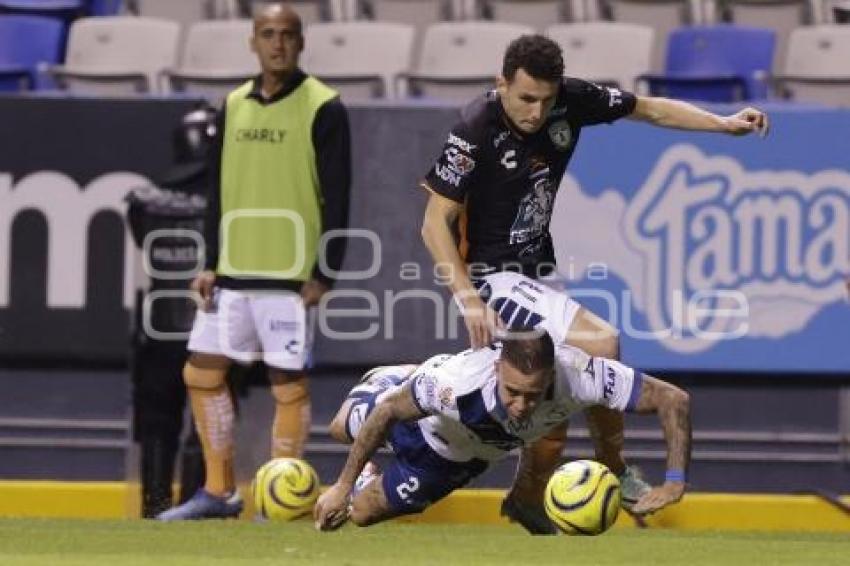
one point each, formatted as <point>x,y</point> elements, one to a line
<point>459,162</point>
<point>276,325</point>
<point>446,396</point>
<point>615,97</point>
<point>610,383</point>
<point>461,143</point>
<point>425,387</point>
<point>445,173</point>
<point>500,137</point>
<point>560,134</point>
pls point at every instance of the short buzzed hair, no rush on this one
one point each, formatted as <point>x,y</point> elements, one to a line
<point>259,9</point>
<point>537,55</point>
<point>528,350</point>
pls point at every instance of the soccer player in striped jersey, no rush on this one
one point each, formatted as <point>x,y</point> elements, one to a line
<point>449,418</point>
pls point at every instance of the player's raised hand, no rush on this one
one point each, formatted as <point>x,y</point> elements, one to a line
<point>481,321</point>
<point>747,121</point>
<point>659,497</point>
<point>331,510</point>
<point>203,284</point>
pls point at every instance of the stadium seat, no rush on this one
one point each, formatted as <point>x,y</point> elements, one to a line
<point>817,68</point>
<point>310,11</point>
<point>661,15</point>
<point>841,13</point>
<point>460,60</point>
<point>722,63</point>
<point>216,58</point>
<point>184,12</point>
<point>538,14</point>
<point>117,55</point>
<point>360,59</point>
<point>50,8</point>
<point>608,53</point>
<point>25,43</point>
<point>418,13</point>
<point>781,16</point>
<point>105,7</point>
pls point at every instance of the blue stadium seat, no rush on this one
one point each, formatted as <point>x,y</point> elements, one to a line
<point>67,10</point>
<point>26,41</point>
<point>722,63</point>
<point>104,7</point>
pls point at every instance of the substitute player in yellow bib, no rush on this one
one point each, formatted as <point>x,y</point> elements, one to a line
<point>283,174</point>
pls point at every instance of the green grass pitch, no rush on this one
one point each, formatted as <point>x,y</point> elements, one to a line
<point>48,542</point>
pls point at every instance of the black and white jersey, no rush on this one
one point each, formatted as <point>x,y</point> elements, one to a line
<point>508,180</point>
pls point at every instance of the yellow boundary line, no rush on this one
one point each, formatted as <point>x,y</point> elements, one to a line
<point>697,511</point>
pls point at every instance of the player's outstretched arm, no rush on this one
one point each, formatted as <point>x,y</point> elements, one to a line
<point>332,507</point>
<point>685,116</point>
<point>673,408</point>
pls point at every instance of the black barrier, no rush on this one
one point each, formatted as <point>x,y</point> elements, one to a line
<point>65,166</point>
<point>66,287</point>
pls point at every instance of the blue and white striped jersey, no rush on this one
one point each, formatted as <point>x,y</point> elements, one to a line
<point>466,419</point>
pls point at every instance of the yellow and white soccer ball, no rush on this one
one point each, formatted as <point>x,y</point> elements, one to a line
<point>583,498</point>
<point>285,489</point>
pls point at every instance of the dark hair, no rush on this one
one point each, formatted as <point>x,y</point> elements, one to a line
<point>538,55</point>
<point>528,350</point>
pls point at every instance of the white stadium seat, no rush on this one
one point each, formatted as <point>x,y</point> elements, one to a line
<point>117,55</point>
<point>460,60</point>
<point>605,52</point>
<point>661,15</point>
<point>360,59</point>
<point>538,14</point>
<point>216,58</point>
<point>817,68</point>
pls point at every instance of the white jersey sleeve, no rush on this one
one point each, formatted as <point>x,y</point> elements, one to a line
<point>599,381</point>
<point>432,386</point>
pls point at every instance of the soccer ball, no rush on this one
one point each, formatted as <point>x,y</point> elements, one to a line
<point>583,498</point>
<point>285,489</point>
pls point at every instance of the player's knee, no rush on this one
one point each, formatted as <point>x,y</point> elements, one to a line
<point>361,514</point>
<point>337,428</point>
<point>293,389</point>
<point>203,378</point>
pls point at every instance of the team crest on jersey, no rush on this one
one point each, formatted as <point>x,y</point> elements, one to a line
<point>446,398</point>
<point>560,134</point>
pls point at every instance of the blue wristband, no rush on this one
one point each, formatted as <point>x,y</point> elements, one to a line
<point>675,476</point>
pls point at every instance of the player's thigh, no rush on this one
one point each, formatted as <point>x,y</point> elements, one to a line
<point>594,335</point>
<point>227,330</point>
<point>285,329</point>
<point>361,400</point>
<point>523,302</point>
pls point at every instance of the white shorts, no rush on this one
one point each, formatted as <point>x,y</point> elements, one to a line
<point>272,326</point>
<point>531,303</point>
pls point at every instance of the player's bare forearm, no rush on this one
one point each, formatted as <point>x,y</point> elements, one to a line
<point>685,116</point>
<point>676,114</point>
<point>440,214</point>
<point>370,438</point>
<point>673,408</point>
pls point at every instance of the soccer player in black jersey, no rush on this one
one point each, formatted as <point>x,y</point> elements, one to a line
<point>496,177</point>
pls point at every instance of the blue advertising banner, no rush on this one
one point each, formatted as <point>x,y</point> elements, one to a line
<point>711,252</point>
